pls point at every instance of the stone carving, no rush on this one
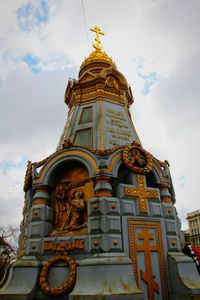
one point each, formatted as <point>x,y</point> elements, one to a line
<point>62,205</point>
<point>111,82</point>
<point>71,193</point>
<point>137,159</point>
<point>69,207</point>
<point>164,164</point>
<point>61,255</point>
<point>28,177</point>
<point>75,221</point>
<point>67,286</point>
<point>67,144</point>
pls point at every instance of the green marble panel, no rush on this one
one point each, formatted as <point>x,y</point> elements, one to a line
<point>84,137</point>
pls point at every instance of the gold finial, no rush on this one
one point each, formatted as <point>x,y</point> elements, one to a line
<point>97,43</point>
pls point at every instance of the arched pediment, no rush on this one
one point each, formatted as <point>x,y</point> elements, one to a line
<point>64,159</point>
<point>119,77</point>
<point>86,77</point>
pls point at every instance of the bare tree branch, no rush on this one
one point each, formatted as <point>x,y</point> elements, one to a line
<point>8,248</point>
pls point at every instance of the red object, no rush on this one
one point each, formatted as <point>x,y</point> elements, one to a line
<point>196,254</point>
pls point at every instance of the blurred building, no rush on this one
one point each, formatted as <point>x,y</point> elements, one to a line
<point>193,219</point>
<point>185,237</point>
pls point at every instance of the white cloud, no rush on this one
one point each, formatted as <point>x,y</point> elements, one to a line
<point>12,196</point>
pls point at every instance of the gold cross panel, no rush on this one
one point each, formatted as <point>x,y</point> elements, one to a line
<point>147,254</point>
<point>142,193</point>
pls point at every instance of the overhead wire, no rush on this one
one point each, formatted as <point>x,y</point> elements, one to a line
<point>85,24</point>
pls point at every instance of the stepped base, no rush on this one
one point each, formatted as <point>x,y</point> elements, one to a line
<point>98,278</point>
<point>184,278</point>
<point>113,280</point>
<point>22,280</point>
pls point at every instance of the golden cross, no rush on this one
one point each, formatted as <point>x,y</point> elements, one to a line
<point>141,193</point>
<point>97,43</point>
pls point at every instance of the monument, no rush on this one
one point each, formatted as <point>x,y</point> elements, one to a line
<point>99,220</point>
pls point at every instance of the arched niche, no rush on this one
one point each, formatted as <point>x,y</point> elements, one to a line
<point>72,170</point>
<point>71,188</point>
<point>152,179</point>
<point>124,176</point>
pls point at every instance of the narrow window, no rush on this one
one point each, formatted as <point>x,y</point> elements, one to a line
<point>86,115</point>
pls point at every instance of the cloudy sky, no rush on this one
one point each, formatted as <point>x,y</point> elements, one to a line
<point>155,44</point>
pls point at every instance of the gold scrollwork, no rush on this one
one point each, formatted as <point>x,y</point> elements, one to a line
<point>111,82</point>
<point>68,144</point>
<point>137,159</point>
<point>28,177</point>
<point>67,286</point>
<point>164,164</point>
<point>42,162</point>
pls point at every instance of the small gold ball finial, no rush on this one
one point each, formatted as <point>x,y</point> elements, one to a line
<point>97,43</point>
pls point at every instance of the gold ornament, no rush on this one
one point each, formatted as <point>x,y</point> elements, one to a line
<point>137,159</point>
<point>111,83</point>
<point>142,193</point>
<point>97,43</point>
<point>28,177</point>
<point>105,152</point>
<point>67,286</point>
<point>97,54</point>
<point>67,144</point>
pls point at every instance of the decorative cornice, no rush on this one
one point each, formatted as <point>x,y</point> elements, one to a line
<point>106,152</point>
<point>132,154</point>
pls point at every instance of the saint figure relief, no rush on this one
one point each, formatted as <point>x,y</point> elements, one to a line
<point>75,220</point>
<point>69,208</point>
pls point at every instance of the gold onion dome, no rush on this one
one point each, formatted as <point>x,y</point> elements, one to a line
<point>97,55</point>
